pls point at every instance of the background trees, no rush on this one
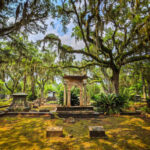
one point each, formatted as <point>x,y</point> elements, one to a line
<point>115,34</point>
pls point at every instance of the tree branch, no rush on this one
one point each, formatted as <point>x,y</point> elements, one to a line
<point>136,58</point>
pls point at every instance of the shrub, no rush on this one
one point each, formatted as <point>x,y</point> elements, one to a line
<point>109,103</point>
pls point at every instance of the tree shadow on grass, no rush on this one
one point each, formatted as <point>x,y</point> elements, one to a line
<point>30,133</point>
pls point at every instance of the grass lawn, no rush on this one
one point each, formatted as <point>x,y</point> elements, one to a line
<point>29,133</point>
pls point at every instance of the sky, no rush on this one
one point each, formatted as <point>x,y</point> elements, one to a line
<point>65,37</point>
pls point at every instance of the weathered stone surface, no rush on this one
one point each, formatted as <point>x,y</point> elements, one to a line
<point>19,103</point>
<point>54,131</point>
<point>96,131</point>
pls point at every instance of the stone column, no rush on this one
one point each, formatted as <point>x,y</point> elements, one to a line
<point>69,97</point>
<point>85,97</point>
<point>65,98</point>
<point>81,97</point>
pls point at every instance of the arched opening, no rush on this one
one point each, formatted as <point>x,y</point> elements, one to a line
<point>75,94</point>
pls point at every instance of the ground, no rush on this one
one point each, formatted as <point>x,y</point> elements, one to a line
<point>29,133</point>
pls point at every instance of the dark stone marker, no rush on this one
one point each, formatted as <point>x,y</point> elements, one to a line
<point>54,131</point>
<point>96,131</point>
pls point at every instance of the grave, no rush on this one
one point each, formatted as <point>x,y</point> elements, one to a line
<point>96,131</point>
<point>84,110</point>
<point>19,103</point>
<point>54,131</point>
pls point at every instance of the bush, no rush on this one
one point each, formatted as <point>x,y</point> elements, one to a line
<point>109,103</point>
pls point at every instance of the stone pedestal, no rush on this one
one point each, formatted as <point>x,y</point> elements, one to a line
<point>54,131</point>
<point>19,103</point>
<point>96,131</point>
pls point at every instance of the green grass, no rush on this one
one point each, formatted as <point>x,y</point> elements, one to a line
<point>123,133</point>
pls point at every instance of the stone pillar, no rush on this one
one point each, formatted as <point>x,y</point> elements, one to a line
<point>65,97</point>
<point>85,97</point>
<point>69,97</point>
<point>81,97</point>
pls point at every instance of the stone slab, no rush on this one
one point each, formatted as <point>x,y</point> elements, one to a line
<point>78,114</point>
<point>96,131</point>
<point>75,108</point>
<point>54,131</point>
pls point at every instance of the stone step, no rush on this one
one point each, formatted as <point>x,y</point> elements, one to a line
<point>75,112</point>
<point>75,108</point>
<point>78,114</point>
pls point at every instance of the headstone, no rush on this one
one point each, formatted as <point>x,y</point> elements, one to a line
<point>54,131</point>
<point>19,103</point>
<point>96,131</point>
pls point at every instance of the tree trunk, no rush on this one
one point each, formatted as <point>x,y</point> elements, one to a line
<point>42,92</point>
<point>115,80</point>
<point>33,84</point>
<point>25,81</point>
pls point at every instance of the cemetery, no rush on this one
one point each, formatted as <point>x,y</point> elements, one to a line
<point>74,75</point>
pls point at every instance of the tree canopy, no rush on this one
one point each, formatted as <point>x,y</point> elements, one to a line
<point>27,15</point>
<point>115,33</point>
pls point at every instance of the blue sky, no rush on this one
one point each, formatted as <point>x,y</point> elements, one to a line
<point>57,30</point>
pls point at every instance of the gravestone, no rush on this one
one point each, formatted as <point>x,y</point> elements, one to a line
<point>96,131</point>
<point>19,103</point>
<point>54,131</point>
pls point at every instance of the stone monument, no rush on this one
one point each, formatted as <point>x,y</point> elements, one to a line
<point>19,103</point>
<point>83,110</point>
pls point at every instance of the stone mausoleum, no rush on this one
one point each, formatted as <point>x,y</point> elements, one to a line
<point>77,81</point>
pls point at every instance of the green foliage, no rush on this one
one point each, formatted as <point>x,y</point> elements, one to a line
<point>109,103</point>
<point>74,97</point>
<point>61,97</point>
<point>31,96</point>
<point>145,109</point>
